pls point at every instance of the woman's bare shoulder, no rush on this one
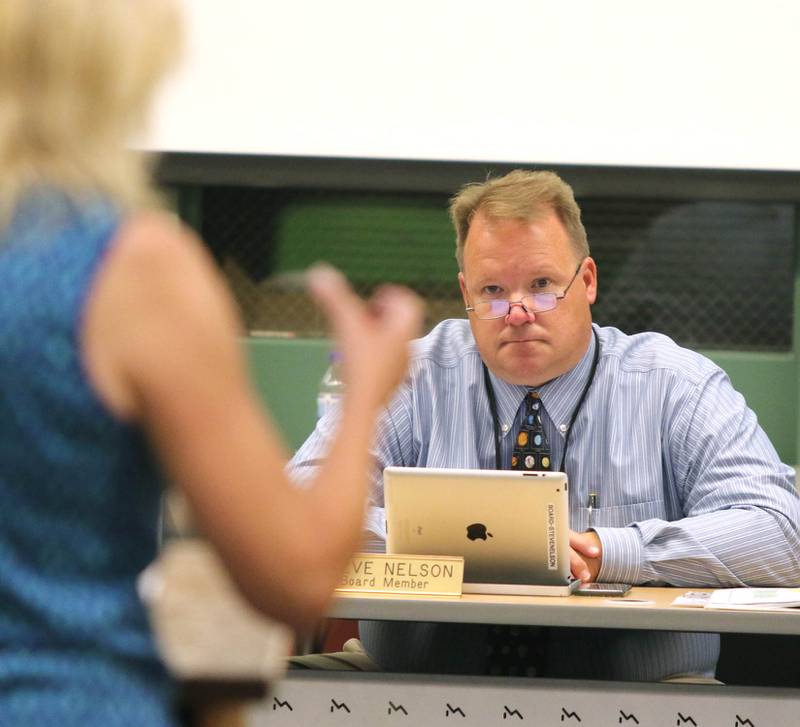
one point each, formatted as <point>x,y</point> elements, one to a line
<point>155,236</point>
<point>157,300</point>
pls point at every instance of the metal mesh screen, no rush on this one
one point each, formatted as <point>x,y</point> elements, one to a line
<point>709,274</point>
<point>261,236</point>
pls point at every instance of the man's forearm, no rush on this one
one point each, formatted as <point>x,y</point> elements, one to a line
<point>736,547</point>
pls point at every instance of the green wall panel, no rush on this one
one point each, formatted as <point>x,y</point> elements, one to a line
<point>372,239</point>
<point>768,383</point>
<point>287,375</point>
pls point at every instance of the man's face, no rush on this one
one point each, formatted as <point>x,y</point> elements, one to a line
<point>509,259</point>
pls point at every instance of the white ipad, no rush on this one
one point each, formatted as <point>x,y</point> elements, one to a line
<point>512,528</point>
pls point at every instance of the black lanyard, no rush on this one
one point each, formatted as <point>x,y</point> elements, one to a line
<point>498,459</point>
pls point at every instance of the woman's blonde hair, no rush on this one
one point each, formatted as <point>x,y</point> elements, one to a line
<point>76,79</point>
<point>521,195</point>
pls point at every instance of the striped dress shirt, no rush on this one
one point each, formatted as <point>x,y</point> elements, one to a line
<point>689,489</point>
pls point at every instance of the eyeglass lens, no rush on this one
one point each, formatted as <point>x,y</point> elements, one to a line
<point>536,303</point>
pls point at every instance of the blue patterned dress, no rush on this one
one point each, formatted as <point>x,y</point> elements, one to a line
<point>79,492</point>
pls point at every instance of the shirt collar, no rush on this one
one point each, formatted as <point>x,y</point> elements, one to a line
<point>559,396</point>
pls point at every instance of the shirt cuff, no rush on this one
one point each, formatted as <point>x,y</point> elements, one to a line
<point>623,554</point>
<point>373,535</point>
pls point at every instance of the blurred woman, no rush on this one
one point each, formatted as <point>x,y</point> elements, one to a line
<point>119,362</point>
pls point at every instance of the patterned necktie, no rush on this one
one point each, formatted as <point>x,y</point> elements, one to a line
<point>531,450</point>
<point>521,650</point>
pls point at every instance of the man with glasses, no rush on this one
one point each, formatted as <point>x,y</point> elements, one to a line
<point>667,465</point>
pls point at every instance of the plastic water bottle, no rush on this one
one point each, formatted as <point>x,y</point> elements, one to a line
<point>331,387</point>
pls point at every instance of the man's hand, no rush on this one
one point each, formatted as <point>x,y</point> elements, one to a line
<point>586,555</point>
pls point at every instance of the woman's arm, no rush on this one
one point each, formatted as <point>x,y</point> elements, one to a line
<point>161,347</point>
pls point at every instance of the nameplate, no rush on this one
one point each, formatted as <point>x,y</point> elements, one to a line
<point>429,575</point>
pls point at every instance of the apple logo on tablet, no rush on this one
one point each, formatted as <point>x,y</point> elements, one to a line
<point>477,531</point>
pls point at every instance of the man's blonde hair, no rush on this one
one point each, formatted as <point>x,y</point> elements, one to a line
<point>519,195</point>
<point>76,79</point>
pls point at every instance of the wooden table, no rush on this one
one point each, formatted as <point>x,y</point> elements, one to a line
<point>226,655</point>
<point>640,608</point>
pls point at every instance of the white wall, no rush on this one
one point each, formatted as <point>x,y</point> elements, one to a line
<point>696,83</point>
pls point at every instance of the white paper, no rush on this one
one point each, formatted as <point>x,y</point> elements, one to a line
<point>754,598</point>
<point>693,599</point>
